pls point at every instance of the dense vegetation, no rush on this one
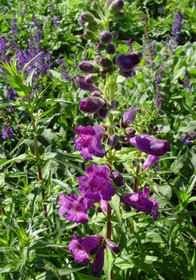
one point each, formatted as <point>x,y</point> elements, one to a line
<point>45,103</point>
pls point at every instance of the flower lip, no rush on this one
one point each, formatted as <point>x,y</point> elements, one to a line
<point>89,141</point>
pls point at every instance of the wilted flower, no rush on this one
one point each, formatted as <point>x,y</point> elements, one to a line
<point>75,208</point>
<point>96,185</point>
<point>89,141</point>
<point>140,202</point>
<point>81,83</point>
<point>148,144</point>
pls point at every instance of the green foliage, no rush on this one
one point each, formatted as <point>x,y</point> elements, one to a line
<point>33,245</point>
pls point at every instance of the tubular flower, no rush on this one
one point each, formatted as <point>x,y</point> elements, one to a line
<point>96,185</point>
<point>91,104</point>
<point>140,202</point>
<point>149,145</point>
<point>89,141</point>
<point>81,247</point>
<point>75,208</point>
<point>94,245</point>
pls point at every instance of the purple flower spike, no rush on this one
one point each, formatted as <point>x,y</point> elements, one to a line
<point>140,202</point>
<point>89,141</point>
<point>75,208</point>
<point>81,247</point>
<point>81,83</point>
<point>149,145</point>
<point>91,104</point>
<point>150,161</point>
<point>98,262</point>
<point>96,185</point>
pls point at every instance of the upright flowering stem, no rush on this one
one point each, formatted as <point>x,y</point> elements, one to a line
<point>135,187</point>
<point>38,160</point>
<point>109,225</point>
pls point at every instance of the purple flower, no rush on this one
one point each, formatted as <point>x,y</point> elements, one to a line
<point>127,62</point>
<point>94,245</point>
<point>91,104</point>
<point>96,185</point>
<point>98,262</point>
<point>140,202</point>
<point>150,161</point>
<point>81,247</point>
<point>113,246</point>
<point>75,208</point>
<point>89,141</point>
<point>148,144</point>
<point>6,132</point>
<point>128,117</point>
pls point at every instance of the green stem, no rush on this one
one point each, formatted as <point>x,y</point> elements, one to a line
<point>109,225</point>
<point>2,208</point>
<point>38,162</point>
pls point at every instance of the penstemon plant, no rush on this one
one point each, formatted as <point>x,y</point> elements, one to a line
<point>124,212</point>
<point>104,188</point>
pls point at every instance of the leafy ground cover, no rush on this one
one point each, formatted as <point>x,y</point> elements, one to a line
<point>105,167</point>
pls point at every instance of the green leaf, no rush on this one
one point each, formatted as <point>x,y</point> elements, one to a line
<point>86,277</point>
<point>115,204</point>
<point>107,263</point>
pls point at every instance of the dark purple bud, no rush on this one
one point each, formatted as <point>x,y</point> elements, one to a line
<point>129,74</point>
<point>86,66</point>
<point>89,79</point>
<point>117,179</point>
<point>129,116</point>
<point>113,246</point>
<point>104,113</point>
<point>96,93</point>
<point>119,4</point>
<point>113,140</point>
<point>105,37</point>
<point>81,83</point>
<point>130,131</point>
<point>86,17</point>
<point>114,103</point>
<point>105,62</point>
<point>91,104</point>
<point>126,61</point>
<point>110,49</point>
<point>118,147</point>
